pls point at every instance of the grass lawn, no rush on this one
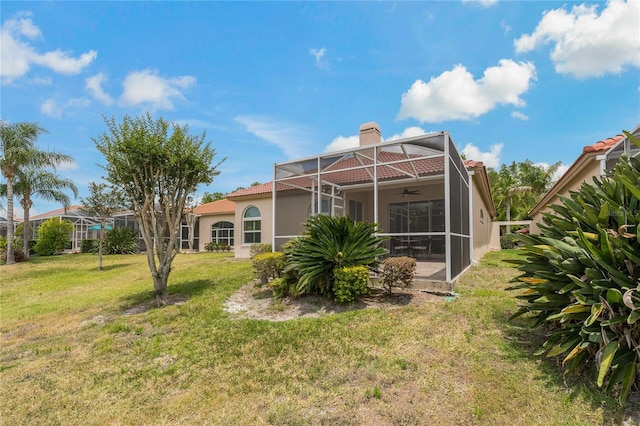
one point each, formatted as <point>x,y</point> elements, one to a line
<point>71,355</point>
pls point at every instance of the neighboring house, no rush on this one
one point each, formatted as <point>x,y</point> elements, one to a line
<point>216,223</point>
<point>428,202</point>
<point>81,224</point>
<point>595,161</point>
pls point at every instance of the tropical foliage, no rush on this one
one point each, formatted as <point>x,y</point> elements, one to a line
<point>581,278</point>
<point>18,151</point>
<point>53,236</point>
<point>517,187</point>
<point>121,240</point>
<point>36,181</point>
<point>330,243</point>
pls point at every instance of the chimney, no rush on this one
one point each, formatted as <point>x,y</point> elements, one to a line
<point>370,133</point>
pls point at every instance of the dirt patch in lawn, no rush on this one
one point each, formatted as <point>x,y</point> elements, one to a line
<point>258,303</point>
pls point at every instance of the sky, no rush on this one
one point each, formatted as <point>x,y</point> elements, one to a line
<point>274,81</point>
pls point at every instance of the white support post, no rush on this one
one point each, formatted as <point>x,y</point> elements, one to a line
<point>447,209</point>
<point>375,188</point>
<point>273,209</point>
<point>470,174</point>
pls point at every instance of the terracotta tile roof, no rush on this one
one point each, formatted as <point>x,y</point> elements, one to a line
<point>471,164</point>
<point>54,213</point>
<point>602,145</point>
<point>335,174</point>
<point>216,207</point>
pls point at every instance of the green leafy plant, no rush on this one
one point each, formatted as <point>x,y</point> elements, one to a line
<point>213,246</point>
<point>54,236</point>
<point>259,248</point>
<point>398,272</point>
<point>89,245</point>
<point>268,265</point>
<point>508,241</point>
<point>122,240</point>
<point>581,278</point>
<point>330,243</point>
<point>350,283</point>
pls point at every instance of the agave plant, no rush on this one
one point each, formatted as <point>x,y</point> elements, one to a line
<point>330,243</point>
<point>581,277</point>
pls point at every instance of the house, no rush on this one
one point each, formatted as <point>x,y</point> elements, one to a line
<point>83,225</point>
<point>595,161</point>
<point>427,201</point>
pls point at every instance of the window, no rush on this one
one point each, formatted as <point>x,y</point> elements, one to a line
<point>251,225</point>
<point>222,232</point>
<point>326,207</point>
<point>481,216</point>
<point>355,210</point>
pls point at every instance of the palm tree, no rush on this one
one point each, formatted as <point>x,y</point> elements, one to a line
<point>18,150</point>
<point>511,192</point>
<point>33,182</point>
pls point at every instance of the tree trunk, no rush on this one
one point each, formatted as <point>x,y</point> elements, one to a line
<point>26,206</point>
<point>160,287</point>
<point>508,216</point>
<point>100,247</point>
<point>10,232</point>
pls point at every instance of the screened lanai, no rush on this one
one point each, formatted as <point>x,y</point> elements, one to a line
<point>417,190</point>
<point>626,147</point>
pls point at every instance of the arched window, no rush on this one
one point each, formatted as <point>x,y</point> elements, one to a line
<point>251,225</point>
<point>222,232</point>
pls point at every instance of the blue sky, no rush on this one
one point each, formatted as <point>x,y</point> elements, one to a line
<point>273,81</point>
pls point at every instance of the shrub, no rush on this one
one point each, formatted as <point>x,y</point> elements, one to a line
<point>89,245</point>
<point>213,246</point>
<point>122,240</point>
<point>508,241</point>
<point>350,283</point>
<point>398,272</point>
<point>3,242</point>
<point>259,248</point>
<point>327,244</point>
<point>268,265</point>
<point>18,255</point>
<point>53,236</point>
<point>581,279</point>
<point>281,287</point>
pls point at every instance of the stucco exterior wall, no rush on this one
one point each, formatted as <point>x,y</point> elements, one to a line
<point>590,169</point>
<point>205,227</point>
<point>482,223</point>
<point>241,249</point>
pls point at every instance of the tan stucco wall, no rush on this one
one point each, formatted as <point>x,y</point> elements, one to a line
<point>482,223</point>
<point>264,205</point>
<point>205,227</point>
<point>589,170</point>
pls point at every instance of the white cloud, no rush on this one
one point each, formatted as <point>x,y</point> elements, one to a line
<point>343,142</point>
<point>587,44</point>
<point>148,88</point>
<point>409,132</point>
<point>561,170</point>
<point>51,108</point>
<point>347,142</point>
<point>456,95</point>
<point>490,159</point>
<point>17,54</point>
<point>290,138</point>
<point>93,85</point>
<point>519,116</point>
<point>321,61</point>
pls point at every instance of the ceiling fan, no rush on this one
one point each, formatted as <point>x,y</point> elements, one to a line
<point>408,191</point>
